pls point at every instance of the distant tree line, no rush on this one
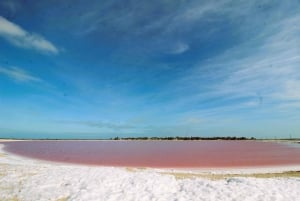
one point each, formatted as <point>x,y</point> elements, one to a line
<point>184,138</point>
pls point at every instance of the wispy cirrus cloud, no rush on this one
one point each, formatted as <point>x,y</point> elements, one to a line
<point>19,74</point>
<point>100,124</point>
<point>19,37</point>
<point>272,68</point>
<point>179,48</point>
<point>258,76</point>
<point>265,67</point>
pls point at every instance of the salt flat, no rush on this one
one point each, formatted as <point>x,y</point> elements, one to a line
<point>30,180</point>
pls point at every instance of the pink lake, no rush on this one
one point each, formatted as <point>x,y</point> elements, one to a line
<point>160,154</point>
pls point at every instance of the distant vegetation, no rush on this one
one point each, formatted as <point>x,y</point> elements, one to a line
<point>184,138</point>
<point>295,140</point>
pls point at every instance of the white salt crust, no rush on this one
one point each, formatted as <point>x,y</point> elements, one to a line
<point>31,180</point>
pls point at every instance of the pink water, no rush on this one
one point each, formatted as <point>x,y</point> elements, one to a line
<point>161,154</point>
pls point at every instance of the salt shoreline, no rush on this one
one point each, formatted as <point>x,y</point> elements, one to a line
<point>29,180</point>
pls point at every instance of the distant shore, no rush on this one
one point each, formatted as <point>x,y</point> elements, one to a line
<point>192,138</point>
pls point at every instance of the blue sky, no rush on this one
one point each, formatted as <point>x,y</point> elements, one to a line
<point>72,69</point>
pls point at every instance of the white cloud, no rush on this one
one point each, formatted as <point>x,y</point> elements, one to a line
<point>194,121</point>
<point>260,73</point>
<point>19,74</point>
<point>179,48</point>
<point>291,91</point>
<point>21,38</point>
<point>100,124</point>
<point>272,68</point>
